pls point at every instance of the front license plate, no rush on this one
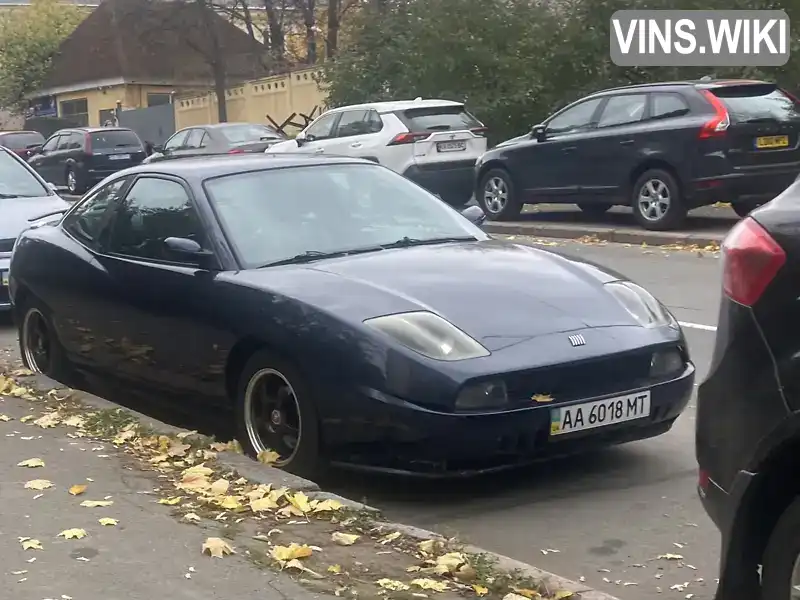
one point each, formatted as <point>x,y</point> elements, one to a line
<point>579,417</point>
<point>451,146</point>
<point>772,141</point>
<point>119,156</point>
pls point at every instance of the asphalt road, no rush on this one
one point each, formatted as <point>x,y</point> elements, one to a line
<point>608,515</point>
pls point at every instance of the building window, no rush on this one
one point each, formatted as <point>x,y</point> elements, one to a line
<point>157,99</point>
<point>76,111</point>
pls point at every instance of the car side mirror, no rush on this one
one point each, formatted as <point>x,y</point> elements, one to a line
<point>301,138</point>
<point>192,251</point>
<point>475,214</point>
<point>158,148</point>
<point>539,132</point>
<point>34,150</point>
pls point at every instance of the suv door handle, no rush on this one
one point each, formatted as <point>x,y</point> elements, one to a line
<point>319,150</point>
<point>356,145</point>
<point>626,143</point>
<point>570,148</point>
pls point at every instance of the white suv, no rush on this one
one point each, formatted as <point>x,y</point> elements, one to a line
<point>435,143</point>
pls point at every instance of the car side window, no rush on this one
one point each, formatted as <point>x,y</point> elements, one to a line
<point>322,128</point>
<point>574,119</point>
<point>194,139</point>
<point>177,140</point>
<point>63,142</point>
<point>667,105</point>
<point>88,221</point>
<point>75,141</point>
<point>204,139</point>
<point>51,144</point>
<point>353,122</point>
<point>374,120</point>
<point>153,210</point>
<point>623,110</point>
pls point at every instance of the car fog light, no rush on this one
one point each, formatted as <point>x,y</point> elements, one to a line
<point>666,362</point>
<point>488,394</point>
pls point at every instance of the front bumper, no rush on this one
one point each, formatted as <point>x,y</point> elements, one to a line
<point>391,435</point>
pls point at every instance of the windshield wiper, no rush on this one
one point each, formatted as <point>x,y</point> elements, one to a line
<point>312,255</point>
<point>6,196</point>
<point>407,242</point>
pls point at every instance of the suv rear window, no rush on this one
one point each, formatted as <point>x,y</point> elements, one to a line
<point>756,102</point>
<point>438,118</point>
<point>21,141</point>
<point>114,139</point>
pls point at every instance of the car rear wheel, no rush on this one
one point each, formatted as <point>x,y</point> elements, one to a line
<point>497,196</point>
<point>275,413</point>
<point>75,184</point>
<point>656,201</point>
<point>594,209</point>
<point>39,346</point>
<point>780,569</point>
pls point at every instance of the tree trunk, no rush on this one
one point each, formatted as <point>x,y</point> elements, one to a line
<point>220,89</point>
<point>309,20</point>
<point>332,40</point>
<point>277,39</point>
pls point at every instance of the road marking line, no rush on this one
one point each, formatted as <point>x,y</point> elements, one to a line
<point>697,326</point>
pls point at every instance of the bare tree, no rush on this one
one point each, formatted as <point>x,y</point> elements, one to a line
<point>308,12</point>
<point>334,22</point>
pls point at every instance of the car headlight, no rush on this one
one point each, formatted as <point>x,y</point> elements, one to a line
<point>487,394</point>
<point>641,304</point>
<point>429,335</point>
<point>666,362</point>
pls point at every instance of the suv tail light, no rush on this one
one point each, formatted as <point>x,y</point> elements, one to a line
<point>482,131</point>
<point>236,151</point>
<point>88,142</point>
<point>408,138</point>
<point>718,125</point>
<point>751,259</point>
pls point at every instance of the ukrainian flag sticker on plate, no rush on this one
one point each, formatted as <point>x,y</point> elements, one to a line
<point>4,278</point>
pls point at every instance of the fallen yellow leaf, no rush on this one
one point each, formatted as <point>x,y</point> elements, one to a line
<point>296,564</point>
<point>5,418</point>
<point>191,518</point>
<point>74,421</point>
<point>96,503</point>
<point>480,590</point>
<point>390,538</point>
<point>38,484</point>
<point>299,501</point>
<point>329,505</point>
<point>31,463</point>
<point>344,539</point>
<point>194,482</point>
<point>171,501</point>
<point>532,594</point>
<point>563,594</point>
<point>177,449</point>
<point>73,534</point>
<point>335,569</point>
<point>219,487</point>
<point>268,457</point>
<point>49,420</point>
<point>77,489</point>
<point>26,419</point>
<point>200,469</point>
<point>217,547</point>
<point>450,562</point>
<point>263,504</point>
<point>31,545</point>
<point>229,502</point>
<point>184,434</point>
<point>542,398</point>
<point>393,585</point>
<point>427,546</point>
<point>290,552</point>
<point>430,584</point>
<point>107,521</point>
<point>26,372</point>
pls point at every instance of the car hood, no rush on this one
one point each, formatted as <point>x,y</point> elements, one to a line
<point>521,138</point>
<point>497,292</point>
<point>15,213</point>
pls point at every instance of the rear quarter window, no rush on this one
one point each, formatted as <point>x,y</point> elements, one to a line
<point>438,118</point>
<point>108,140</point>
<point>757,102</point>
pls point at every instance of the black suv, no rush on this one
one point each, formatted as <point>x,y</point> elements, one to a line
<point>748,408</point>
<point>79,158</point>
<point>660,148</point>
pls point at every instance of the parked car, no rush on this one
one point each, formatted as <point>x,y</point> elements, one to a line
<point>660,148</point>
<point>223,138</point>
<point>79,158</point>
<point>435,143</point>
<point>748,408</point>
<point>335,325</point>
<point>21,143</point>
<point>26,200</point>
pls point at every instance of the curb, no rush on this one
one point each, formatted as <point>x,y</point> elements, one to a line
<point>263,474</point>
<point>606,234</point>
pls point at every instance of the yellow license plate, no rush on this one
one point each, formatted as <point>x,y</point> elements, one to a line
<point>772,141</point>
<point>4,279</point>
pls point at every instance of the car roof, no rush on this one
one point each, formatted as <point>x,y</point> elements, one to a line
<point>387,107</point>
<point>208,167</point>
<point>93,129</point>
<point>709,83</point>
<point>228,124</point>
<point>2,133</point>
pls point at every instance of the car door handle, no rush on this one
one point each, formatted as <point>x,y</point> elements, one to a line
<point>356,145</point>
<point>626,143</point>
<point>319,150</point>
<point>570,148</point>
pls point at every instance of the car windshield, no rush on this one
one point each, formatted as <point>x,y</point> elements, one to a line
<point>22,140</point>
<point>17,180</point>
<point>247,132</point>
<point>276,214</point>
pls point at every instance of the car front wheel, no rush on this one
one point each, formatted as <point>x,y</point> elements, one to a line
<point>275,415</point>
<point>497,196</point>
<point>657,202</point>
<point>780,569</point>
<point>39,345</point>
<point>75,184</point>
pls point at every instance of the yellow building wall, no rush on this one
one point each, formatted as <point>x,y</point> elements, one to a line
<point>276,97</point>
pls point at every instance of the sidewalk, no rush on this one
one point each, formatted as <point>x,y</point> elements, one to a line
<point>100,503</point>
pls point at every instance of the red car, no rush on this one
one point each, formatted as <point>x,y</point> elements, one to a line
<point>21,143</point>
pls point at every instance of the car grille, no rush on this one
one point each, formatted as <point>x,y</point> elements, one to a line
<point>6,245</point>
<point>586,379</point>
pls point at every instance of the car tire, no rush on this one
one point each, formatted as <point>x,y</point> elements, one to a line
<point>780,555</point>
<point>285,402</point>
<point>497,196</point>
<point>75,183</point>
<point>39,346</point>
<point>594,209</point>
<point>657,201</point>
